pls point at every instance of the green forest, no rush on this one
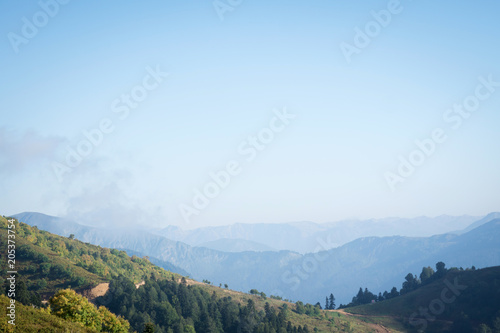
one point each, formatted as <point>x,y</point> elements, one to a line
<point>180,308</point>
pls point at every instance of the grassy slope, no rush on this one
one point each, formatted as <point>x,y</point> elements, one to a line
<point>402,307</point>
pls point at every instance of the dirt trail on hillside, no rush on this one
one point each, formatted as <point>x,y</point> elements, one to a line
<point>377,327</point>
<point>190,282</point>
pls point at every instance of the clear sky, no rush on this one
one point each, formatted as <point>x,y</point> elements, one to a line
<point>363,82</point>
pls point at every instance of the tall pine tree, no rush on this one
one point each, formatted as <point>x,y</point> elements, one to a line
<point>332,302</point>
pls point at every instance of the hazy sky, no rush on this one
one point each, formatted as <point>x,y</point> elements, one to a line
<point>309,107</point>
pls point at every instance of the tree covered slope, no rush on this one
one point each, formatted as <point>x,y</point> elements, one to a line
<point>48,264</point>
<point>460,301</point>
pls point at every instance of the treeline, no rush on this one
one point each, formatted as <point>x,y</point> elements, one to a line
<point>259,293</point>
<point>178,308</point>
<point>411,283</point>
<point>308,309</point>
<point>476,307</point>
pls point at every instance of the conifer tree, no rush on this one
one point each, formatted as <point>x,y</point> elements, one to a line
<point>332,302</point>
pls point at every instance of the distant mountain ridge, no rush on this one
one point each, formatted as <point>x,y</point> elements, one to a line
<point>302,237</point>
<point>486,219</point>
<point>374,262</point>
<point>236,245</point>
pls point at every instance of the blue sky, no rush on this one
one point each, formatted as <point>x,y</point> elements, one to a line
<point>225,77</point>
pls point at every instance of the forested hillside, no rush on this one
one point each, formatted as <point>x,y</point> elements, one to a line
<point>46,262</point>
<point>185,308</point>
<point>51,267</point>
<point>449,300</point>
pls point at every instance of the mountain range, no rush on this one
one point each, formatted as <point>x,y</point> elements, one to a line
<point>378,263</point>
<point>302,237</point>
